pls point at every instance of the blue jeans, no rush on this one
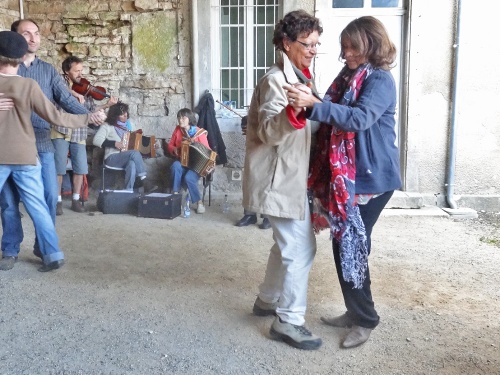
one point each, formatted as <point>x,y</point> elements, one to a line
<point>187,176</point>
<point>9,203</point>
<point>131,161</point>
<point>28,185</point>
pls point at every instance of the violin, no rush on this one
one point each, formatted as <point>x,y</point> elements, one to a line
<point>85,88</point>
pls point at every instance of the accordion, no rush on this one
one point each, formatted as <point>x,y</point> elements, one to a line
<point>137,141</point>
<point>197,157</point>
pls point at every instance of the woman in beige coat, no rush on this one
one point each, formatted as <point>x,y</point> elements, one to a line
<point>275,178</point>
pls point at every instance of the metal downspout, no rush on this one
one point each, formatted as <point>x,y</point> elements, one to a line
<point>195,51</point>
<point>21,10</point>
<point>450,183</point>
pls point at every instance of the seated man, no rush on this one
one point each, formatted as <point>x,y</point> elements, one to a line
<point>18,153</point>
<point>116,156</point>
<point>186,130</point>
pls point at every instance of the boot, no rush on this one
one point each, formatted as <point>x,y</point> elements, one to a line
<point>77,206</point>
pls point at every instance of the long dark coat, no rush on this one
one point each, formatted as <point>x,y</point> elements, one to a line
<point>207,120</point>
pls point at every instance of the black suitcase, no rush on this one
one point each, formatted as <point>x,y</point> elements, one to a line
<point>118,202</point>
<point>159,206</point>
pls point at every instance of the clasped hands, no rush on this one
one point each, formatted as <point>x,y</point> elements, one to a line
<point>300,96</point>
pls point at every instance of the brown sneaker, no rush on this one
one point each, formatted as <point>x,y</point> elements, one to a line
<point>59,210</point>
<point>77,206</point>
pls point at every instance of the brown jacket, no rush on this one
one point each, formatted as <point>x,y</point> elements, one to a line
<point>277,154</point>
<point>17,138</point>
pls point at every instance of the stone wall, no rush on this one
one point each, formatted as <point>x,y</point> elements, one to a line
<point>137,50</point>
<point>9,12</point>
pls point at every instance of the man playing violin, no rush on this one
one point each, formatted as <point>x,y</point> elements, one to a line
<point>73,140</point>
<point>55,90</point>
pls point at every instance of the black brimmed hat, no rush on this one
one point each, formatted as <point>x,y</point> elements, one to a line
<point>12,45</point>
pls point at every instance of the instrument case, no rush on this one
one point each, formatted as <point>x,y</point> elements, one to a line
<point>159,206</point>
<point>118,202</point>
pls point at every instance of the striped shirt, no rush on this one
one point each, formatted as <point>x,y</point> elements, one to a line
<point>56,91</point>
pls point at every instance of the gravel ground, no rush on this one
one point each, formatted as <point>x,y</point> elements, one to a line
<point>149,296</point>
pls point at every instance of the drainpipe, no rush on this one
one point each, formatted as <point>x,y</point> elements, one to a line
<point>21,10</point>
<point>450,183</point>
<point>195,50</point>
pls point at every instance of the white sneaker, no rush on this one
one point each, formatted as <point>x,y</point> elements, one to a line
<point>200,209</point>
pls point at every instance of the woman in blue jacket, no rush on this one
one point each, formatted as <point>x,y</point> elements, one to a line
<point>355,169</point>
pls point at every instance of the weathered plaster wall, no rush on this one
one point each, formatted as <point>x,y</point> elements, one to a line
<point>430,103</point>
<point>478,111</point>
<point>430,72</point>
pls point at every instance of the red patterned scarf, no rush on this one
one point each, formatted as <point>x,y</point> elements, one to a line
<point>331,180</point>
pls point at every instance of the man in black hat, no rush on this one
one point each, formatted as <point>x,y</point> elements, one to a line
<point>19,158</point>
<point>55,90</point>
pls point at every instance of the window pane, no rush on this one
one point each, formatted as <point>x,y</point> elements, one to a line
<point>235,84</point>
<point>270,16</point>
<point>385,3</point>
<point>224,16</point>
<point>234,16</point>
<point>224,2</point>
<point>225,84</point>
<point>241,11</point>
<point>347,3</point>
<point>261,15</point>
<point>260,43</point>
<point>224,45</point>
<point>270,54</point>
<point>234,2</point>
<point>233,46</point>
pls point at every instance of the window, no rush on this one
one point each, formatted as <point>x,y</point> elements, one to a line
<point>243,32</point>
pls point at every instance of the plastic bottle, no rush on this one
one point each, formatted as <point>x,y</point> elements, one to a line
<point>187,209</point>
<point>225,205</point>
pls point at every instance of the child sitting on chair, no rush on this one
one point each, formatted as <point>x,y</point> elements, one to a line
<point>186,130</point>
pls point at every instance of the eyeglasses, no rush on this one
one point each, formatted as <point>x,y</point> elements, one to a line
<point>309,46</point>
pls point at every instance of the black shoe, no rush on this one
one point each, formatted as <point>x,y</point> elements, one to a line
<point>247,220</point>
<point>37,252</point>
<point>59,209</point>
<point>265,224</point>
<point>7,263</point>
<point>52,266</point>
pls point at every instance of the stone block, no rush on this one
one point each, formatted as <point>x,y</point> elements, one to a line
<point>142,5</point>
<point>84,39</point>
<point>111,50</point>
<point>80,30</point>
<point>126,6</point>
<point>154,42</point>
<point>77,49</point>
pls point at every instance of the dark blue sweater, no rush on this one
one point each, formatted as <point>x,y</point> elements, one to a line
<point>372,119</point>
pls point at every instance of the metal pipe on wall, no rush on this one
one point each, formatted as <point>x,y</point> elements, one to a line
<point>21,9</point>
<point>450,179</point>
<point>195,51</point>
